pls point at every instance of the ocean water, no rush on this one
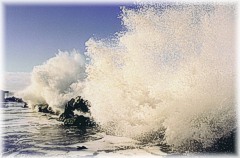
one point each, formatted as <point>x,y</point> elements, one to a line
<point>27,133</point>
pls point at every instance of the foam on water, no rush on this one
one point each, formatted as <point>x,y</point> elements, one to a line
<point>171,69</point>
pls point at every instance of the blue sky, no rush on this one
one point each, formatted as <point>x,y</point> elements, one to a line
<point>34,33</point>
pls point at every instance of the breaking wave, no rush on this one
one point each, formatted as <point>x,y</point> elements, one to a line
<point>171,69</point>
<point>56,81</point>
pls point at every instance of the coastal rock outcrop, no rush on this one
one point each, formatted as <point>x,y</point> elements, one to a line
<point>14,99</point>
<point>80,121</point>
<point>44,108</point>
<point>71,119</point>
<point>68,116</point>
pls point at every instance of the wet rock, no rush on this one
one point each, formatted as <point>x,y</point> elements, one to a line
<point>44,108</point>
<point>74,104</point>
<point>70,119</point>
<point>13,99</point>
<point>81,147</point>
<point>70,105</point>
<point>66,115</point>
<point>82,121</point>
<point>81,105</point>
<point>226,144</point>
<point>79,121</point>
<point>25,105</point>
<point>50,110</point>
<point>223,145</point>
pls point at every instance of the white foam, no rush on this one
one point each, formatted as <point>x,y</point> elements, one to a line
<point>172,68</point>
<point>56,81</point>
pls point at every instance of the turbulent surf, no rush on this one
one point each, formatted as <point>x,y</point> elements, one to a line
<point>167,77</point>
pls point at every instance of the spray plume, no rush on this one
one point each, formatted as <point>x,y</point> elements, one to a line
<point>171,70</point>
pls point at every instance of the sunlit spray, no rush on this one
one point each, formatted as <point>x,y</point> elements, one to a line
<point>170,70</point>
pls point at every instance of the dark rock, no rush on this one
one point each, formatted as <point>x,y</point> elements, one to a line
<point>13,99</point>
<point>82,121</point>
<point>69,122</point>
<point>226,144</point>
<point>50,110</point>
<point>74,104</point>
<point>66,115</point>
<point>81,147</point>
<point>79,121</point>
<point>25,105</point>
<point>45,108</point>
<point>223,145</point>
<point>70,105</point>
<point>81,105</point>
<point>70,119</point>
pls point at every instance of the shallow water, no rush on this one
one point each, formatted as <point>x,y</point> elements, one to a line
<point>27,133</point>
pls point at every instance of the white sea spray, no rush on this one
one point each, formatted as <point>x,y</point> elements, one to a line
<point>56,81</point>
<point>171,69</point>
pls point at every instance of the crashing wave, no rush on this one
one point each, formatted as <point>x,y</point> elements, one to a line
<point>171,69</point>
